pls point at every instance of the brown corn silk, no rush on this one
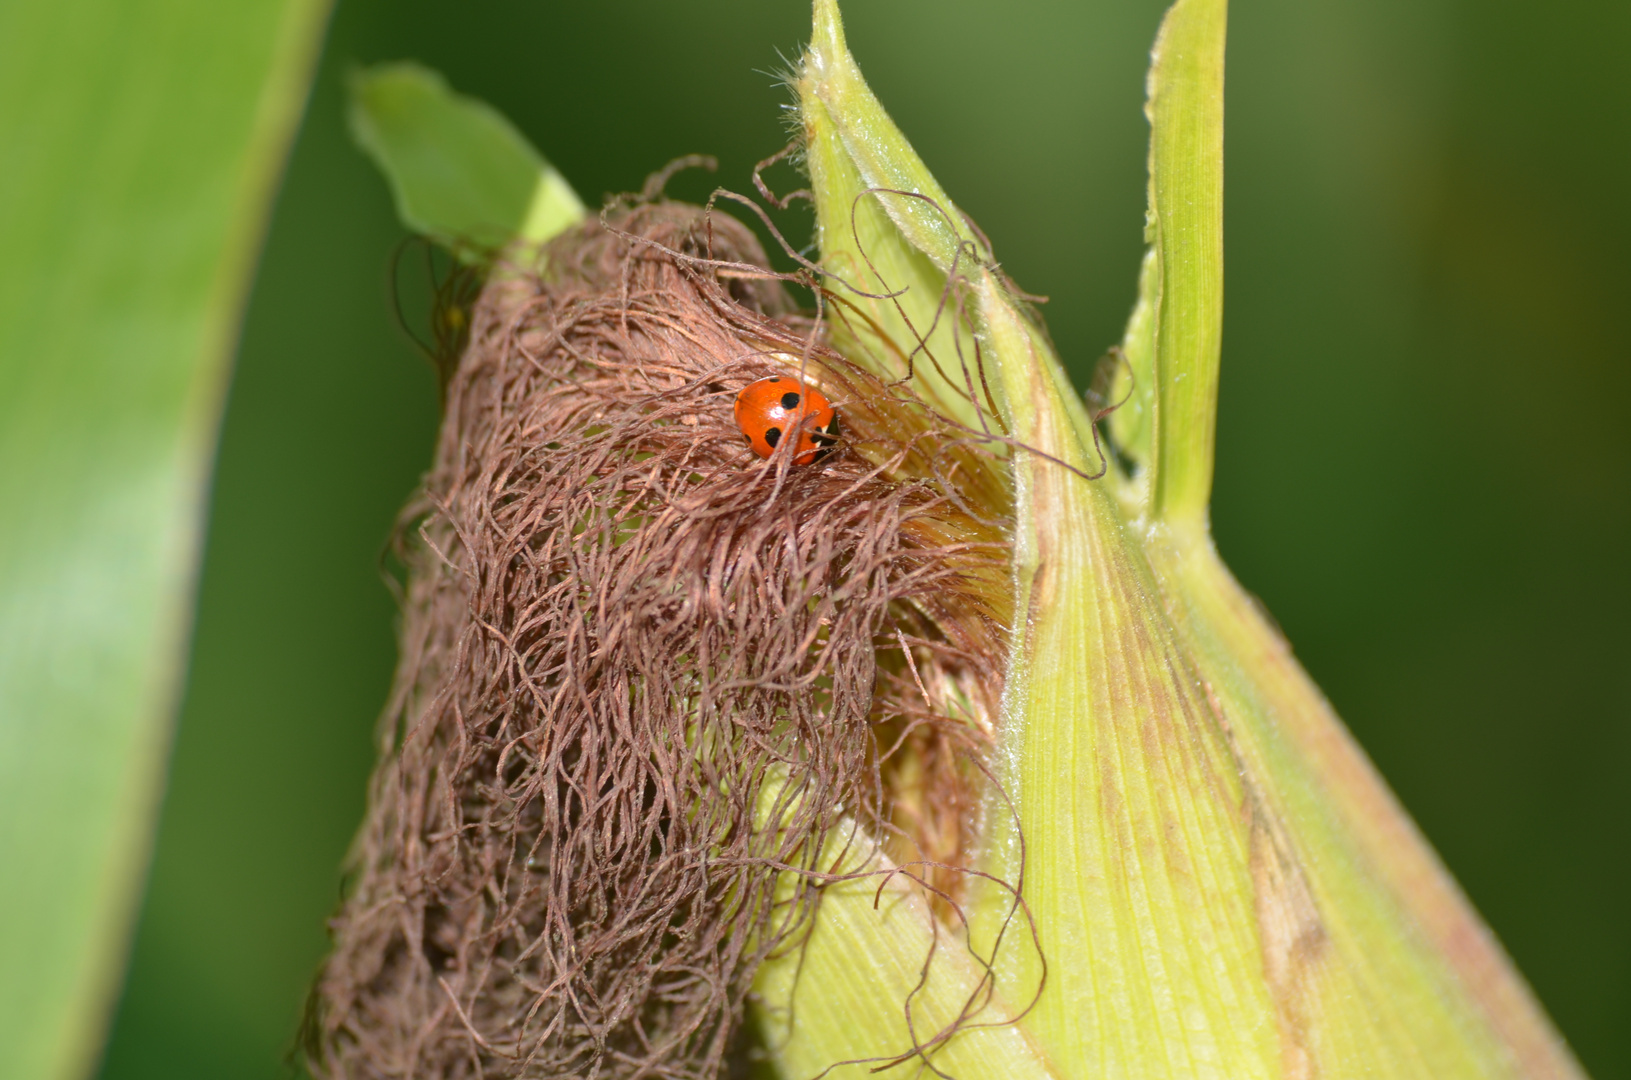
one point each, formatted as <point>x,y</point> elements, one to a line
<point>644,676</point>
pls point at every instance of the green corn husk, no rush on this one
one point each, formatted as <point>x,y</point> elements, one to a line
<point>1220,883</point>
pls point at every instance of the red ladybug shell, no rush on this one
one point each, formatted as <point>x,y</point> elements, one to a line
<point>770,408</point>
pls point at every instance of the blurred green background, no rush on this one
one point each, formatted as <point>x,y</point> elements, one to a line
<point>1424,462</point>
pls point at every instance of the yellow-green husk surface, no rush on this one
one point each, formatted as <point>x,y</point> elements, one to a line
<point>1219,882</point>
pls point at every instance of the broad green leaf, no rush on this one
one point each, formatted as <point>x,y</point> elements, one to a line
<point>142,144</point>
<point>461,173</point>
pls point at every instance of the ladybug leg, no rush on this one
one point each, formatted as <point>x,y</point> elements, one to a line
<point>826,435</point>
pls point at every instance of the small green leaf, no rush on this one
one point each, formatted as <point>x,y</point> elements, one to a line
<point>141,146</point>
<point>460,172</point>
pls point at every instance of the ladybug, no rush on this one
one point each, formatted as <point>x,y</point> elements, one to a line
<point>769,409</point>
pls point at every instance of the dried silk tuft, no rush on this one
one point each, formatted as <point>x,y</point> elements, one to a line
<point>644,675</point>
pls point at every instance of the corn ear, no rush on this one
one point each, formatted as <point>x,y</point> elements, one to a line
<point>1220,883</point>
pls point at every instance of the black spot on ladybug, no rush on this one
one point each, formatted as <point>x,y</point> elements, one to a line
<point>774,378</point>
<point>747,438</point>
<point>790,400</point>
<point>773,435</point>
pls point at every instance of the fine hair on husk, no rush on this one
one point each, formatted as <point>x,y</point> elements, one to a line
<point>646,677</point>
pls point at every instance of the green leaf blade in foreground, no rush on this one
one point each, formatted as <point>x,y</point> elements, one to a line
<point>460,172</point>
<point>141,160</point>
